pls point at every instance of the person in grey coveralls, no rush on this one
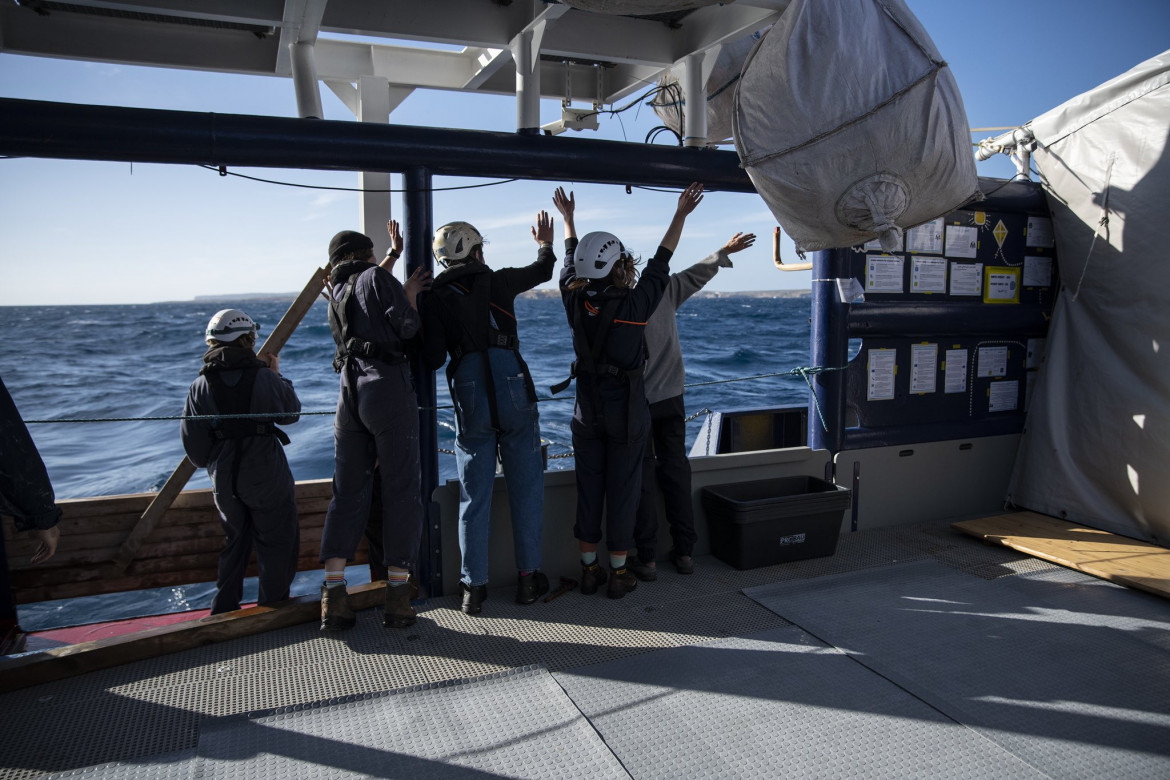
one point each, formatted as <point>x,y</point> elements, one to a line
<point>374,320</point>
<point>250,478</point>
<point>665,465</point>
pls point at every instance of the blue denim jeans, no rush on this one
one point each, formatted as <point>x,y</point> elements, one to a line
<point>476,444</point>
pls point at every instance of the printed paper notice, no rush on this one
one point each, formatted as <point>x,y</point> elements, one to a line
<point>1039,232</point>
<point>955,375</point>
<point>961,241</point>
<point>1037,271</point>
<point>923,368</point>
<point>883,274</point>
<point>928,274</point>
<point>873,245</point>
<point>926,238</point>
<point>966,278</point>
<point>1003,285</point>
<point>1002,396</point>
<point>1035,353</point>
<point>992,361</point>
<point>882,363</point>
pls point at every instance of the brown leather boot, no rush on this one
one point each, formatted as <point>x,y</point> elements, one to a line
<point>398,612</point>
<point>592,577</point>
<point>335,612</point>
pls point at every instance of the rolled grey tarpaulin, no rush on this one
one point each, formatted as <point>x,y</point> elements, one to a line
<point>851,126</point>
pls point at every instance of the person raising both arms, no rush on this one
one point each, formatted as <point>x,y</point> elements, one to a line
<point>470,313</point>
<point>607,306</point>
<point>665,465</point>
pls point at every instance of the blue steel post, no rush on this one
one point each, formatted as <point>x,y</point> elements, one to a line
<point>418,210</point>
<point>829,335</point>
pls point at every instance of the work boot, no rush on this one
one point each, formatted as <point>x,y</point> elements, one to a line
<point>531,586</point>
<point>622,582</point>
<point>473,596</point>
<point>684,563</point>
<point>335,612</point>
<point>646,571</point>
<point>592,578</point>
<point>398,612</point>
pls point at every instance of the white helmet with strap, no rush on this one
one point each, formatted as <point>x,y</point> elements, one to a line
<point>595,255</point>
<point>454,241</point>
<point>227,325</point>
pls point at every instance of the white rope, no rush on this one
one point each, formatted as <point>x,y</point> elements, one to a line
<point>1102,222</point>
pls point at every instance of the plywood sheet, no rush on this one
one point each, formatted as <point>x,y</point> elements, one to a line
<point>1111,557</point>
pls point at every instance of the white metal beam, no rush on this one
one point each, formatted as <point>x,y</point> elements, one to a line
<point>300,23</point>
<point>374,207</point>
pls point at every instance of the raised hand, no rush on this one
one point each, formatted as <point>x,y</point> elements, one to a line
<point>690,198</point>
<point>543,232</point>
<point>566,204</point>
<point>739,242</point>
<point>395,235</point>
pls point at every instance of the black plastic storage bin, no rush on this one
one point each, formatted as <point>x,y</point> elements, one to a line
<point>772,521</point>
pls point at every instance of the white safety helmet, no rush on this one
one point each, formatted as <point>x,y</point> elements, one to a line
<point>595,255</point>
<point>228,325</point>
<point>454,241</point>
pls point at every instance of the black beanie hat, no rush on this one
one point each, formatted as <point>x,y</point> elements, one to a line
<point>348,241</point>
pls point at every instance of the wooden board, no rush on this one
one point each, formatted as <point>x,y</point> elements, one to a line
<point>60,662</point>
<point>183,546</point>
<point>1111,557</point>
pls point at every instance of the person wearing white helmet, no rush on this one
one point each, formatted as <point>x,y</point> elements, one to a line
<point>665,466</point>
<point>244,456</point>
<point>608,306</point>
<point>470,314</point>
<point>375,323</point>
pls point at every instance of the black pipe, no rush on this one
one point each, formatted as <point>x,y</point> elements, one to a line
<point>33,128</point>
<point>418,219</point>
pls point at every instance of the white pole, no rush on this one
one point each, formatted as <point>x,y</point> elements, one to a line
<point>374,209</point>
<point>695,102</point>
<point>527,83</point>
<point>304,75</point>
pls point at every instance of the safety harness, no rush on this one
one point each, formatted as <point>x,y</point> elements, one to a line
<point>347,273</point>
<point>589,353</point>
<point>479,330</point>
<point>237,399</point>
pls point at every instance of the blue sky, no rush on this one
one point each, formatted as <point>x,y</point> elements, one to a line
<point>88,232</point>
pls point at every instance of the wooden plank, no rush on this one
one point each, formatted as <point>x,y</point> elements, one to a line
<point>1118,559</point>
<point>182,474</point>
<point>61,662</point>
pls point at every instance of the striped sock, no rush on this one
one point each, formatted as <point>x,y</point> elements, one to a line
<point>397,578</point>
<point>334,578</point>
<point>617,560</point>
<point>589,558</point>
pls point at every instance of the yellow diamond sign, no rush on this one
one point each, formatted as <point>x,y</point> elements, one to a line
<point>1000,232</point>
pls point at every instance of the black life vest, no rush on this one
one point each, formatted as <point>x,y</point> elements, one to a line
<point>467,297</point>
<point>231,400</point>
<point>589,353</point>
<point>347,273</point>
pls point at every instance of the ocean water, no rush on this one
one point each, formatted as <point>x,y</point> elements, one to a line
<point>63,363</point>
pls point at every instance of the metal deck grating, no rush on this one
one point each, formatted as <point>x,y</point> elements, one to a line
<point>1069,673</point>
<point>743,708</point>
<point>163,702</point>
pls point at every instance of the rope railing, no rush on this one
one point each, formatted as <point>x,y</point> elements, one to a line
<point>804,372</point>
